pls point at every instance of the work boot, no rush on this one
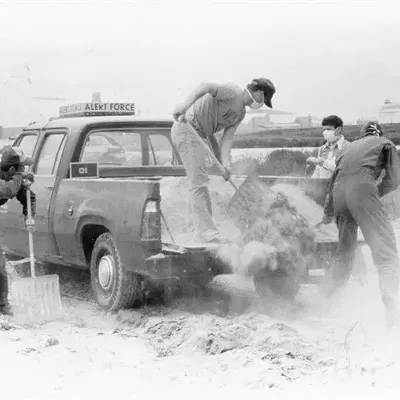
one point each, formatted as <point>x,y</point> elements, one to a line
<point>6,309</point>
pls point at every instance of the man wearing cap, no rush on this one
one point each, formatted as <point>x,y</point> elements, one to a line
<point>13,183</point>
<point>354,199</point>
<point>209,109</point>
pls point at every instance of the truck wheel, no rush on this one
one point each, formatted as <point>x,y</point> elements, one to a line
<point>277,285</point>
<point>114,286</point>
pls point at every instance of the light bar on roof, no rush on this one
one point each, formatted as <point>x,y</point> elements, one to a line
<point>96,109</point>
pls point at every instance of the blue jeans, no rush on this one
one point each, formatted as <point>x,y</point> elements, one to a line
<point>194,160</point>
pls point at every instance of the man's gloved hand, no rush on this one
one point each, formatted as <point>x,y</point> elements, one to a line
<point>29,223</point>
<point>29,176</point>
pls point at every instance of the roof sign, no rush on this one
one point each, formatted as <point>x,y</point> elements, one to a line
<point>97,109</point>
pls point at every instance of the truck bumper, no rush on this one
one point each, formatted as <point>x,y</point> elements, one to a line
<point>179,263</point>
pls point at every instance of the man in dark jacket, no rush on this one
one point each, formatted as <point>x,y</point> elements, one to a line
<point>354,200</point>
<point>14,182</point>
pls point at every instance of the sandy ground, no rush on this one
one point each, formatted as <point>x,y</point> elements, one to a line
<point>199,346</point>
<point>226,342</point>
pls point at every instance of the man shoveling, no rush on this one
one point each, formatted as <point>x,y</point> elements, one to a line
<point>208,110</point>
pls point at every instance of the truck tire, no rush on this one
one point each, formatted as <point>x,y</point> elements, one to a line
<point>277,285</point>
<point>113,285</point>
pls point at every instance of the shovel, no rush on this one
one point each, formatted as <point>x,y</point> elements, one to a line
<point>250,201</point>
<point>37,298</point>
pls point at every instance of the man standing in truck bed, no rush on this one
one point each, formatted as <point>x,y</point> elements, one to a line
<point>354,199</point>
<point>12,176</point>
<point>209,109</point>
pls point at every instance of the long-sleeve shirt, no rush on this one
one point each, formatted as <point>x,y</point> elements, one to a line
<point>328,153</point>
<point>367,158</point>
<point>14,188</point>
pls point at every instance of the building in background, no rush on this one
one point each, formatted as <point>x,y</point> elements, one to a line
<point>10,132</point>
<point>389,113</point>
<point>266,118</point>
<point>309,121</point>
<point>364,120</point>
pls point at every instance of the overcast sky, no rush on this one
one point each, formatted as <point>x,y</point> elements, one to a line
<point>324,57</point>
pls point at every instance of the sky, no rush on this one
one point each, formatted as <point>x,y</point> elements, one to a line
<point>324,57</point>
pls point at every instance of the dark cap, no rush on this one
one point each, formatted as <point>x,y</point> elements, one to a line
<point>267,87</point>
<point>14,156</point>
<point>372,128</point>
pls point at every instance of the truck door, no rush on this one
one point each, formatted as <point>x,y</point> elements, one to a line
<point>45,168</point>
<point>12,227</point>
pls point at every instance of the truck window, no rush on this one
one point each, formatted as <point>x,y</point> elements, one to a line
<point>129,147</point>
<point>27,143</point>
<point>113,148</point>
<point>50,154</point>
<point>160,150</point>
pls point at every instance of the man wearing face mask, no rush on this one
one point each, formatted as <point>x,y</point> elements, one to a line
<point>333,134</point>
<point>209,109</point>
<point>325,164</point>
<point>354,200</point>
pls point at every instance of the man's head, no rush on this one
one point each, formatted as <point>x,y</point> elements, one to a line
<point>12,161</point>
<point>332,128</point>
<point>258,92</point>
<point>372,128</point>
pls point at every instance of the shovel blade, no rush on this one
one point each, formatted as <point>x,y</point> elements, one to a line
<point>251,201</point>
<point>36,299</point>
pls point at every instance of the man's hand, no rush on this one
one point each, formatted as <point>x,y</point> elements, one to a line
<point>26,184</point>
<point>326,219</point>
<point>29,176</point>
<point>29,224</point>
<point>315,161</point>
<point>227,174</point>
<point>179,113</point>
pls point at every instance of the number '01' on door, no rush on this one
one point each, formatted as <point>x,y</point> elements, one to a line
<point>84,170</point>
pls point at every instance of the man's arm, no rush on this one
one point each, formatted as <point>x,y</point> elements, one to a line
<point>391,180</point>
<point>21,197</point>
<point>200,91</point>
<point>226,144</point>
<point>215,147</point>
<point>9,189</point>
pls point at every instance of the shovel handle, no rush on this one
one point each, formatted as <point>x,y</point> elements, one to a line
<point>30,234</point>
<point>221,168</point>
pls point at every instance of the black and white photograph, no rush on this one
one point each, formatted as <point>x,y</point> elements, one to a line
<point>199,199</point>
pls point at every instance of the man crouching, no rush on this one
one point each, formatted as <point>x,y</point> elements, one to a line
<point>354,199</point>
<point>14,182</point>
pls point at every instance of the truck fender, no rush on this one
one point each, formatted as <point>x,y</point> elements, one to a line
<point>92,220</point>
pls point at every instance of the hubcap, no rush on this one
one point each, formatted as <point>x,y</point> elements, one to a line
<point>106,272</point>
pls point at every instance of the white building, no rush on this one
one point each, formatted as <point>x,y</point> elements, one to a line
<point>389,113</point>
<point>267,118</point>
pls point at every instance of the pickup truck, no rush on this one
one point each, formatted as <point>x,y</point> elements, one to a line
<point>110,222</point>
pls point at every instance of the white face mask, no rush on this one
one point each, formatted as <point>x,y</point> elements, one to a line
<point>329,135</point>
<point>254,105</point>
